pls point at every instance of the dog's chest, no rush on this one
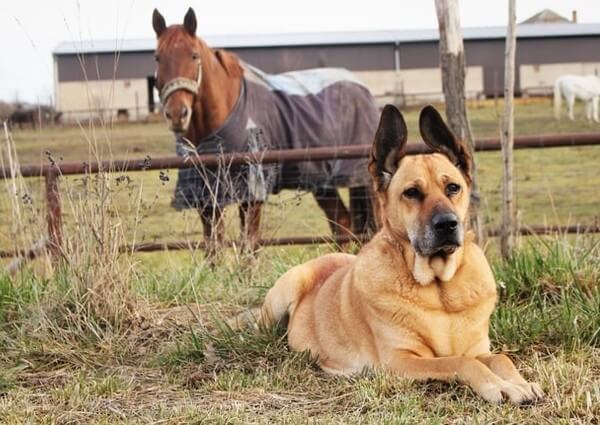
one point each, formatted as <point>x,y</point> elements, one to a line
<point>460,326</point>
<point>446,321</point>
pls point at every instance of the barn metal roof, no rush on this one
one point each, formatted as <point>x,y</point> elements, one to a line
<point>332,38</point>
<point>546,16</point>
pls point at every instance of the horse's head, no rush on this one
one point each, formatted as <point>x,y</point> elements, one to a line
<point>178,68</point>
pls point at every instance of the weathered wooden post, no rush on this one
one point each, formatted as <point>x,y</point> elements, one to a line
<point>452,63</point>
<point>507,232</point>
<point>54,213</point>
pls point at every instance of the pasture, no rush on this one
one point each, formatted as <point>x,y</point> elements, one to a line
<point>545,191</point>
<point>139,338</point>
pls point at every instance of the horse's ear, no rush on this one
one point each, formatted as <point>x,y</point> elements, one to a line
<point>189,21</point>
<point>158,23</point>
<point>441,139</point>
<point>388,147</point>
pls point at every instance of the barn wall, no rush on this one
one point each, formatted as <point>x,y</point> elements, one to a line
<point>530,51</point>
<point>539,79</point>
<point>356,58</point>
<point>105,66</point>
<point>417,84</point>
<point>77,98</point>
<point>537,60</point>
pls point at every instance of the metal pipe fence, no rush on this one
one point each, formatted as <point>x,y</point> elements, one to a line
<point>52,172</point>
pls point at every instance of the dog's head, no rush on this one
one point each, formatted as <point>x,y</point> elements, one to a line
<point>422,198</point>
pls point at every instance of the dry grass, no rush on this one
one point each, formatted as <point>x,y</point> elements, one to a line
<point>554,186</point>
<point>111,337</point>
<point>179,363</point>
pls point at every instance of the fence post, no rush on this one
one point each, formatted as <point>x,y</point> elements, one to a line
<point>507,141</point>
<point>54,213</point>
<point>452,66</point>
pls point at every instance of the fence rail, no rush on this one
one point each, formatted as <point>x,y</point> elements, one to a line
<point>285,156</point>
<point>51,173</point>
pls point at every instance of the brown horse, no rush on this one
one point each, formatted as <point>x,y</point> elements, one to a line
<point>204,90</point>
<point>33,115</point>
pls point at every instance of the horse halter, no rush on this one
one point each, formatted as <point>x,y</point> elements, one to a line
<point>181,83</point>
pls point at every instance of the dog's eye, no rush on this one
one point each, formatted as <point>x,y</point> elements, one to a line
<point>452,189</point>
<point>412,193</point>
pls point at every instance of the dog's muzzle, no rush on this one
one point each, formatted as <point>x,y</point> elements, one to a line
<point>442,236</point>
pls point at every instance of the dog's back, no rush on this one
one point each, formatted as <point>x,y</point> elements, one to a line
<point>292,287</point>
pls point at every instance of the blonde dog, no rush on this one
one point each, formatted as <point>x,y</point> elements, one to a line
<point>418,297</point>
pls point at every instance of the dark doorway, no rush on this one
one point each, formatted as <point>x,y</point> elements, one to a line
<point>151,105</point>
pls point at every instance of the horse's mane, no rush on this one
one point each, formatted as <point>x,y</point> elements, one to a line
<point>230,62</point>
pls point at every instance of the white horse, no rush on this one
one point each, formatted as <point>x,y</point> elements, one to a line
<point>586,88</point>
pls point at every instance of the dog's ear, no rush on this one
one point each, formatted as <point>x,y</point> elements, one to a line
<point>189,22</point>
<point>388,146</point>
<point>440,138</point>
<point>158,23</point>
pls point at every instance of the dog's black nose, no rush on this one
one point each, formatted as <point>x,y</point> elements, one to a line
<point>444,223</point>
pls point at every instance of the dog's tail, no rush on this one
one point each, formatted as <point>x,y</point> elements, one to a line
<point>283,298</point>
<point>557,98</point>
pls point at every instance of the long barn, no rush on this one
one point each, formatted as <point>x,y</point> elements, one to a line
<point>115,78</point>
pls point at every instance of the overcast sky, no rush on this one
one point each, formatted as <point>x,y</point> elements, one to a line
<point>31,29</point>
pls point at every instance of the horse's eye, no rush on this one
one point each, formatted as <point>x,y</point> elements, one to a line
<point>195,56</point>
<point>412,193</point>
<point>156,58</point>
<point>452,189</point>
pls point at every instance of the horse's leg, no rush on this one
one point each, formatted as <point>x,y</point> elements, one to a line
<point>570,106</point>
<point>213,228</point>
<point>595,101</point>
<point>588,109</point>
<point>250,224</point>
<point>337,214</point>
<point>361,209</point>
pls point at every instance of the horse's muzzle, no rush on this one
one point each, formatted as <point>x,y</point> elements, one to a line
<point>178,118</point>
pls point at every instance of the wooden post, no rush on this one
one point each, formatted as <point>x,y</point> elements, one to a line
<point>507,137</point>
<point>54,214</point>
<point>452,63</point>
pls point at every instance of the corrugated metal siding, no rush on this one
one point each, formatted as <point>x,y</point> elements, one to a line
<point>356,58</point>
<point>419,55</point>
<point>141,64</point>
<point>489,54</point>
<point>105,66</point>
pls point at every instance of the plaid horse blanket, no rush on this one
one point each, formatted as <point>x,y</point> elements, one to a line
<point>294,110</point>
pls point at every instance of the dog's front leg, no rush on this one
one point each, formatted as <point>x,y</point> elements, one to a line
<point>464,369</point>
<point>502,366</point>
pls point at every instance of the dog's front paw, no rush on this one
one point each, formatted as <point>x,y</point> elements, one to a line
<point>533,390</point>
<point>515,393</point>
<point>491,393</point>
<point>518,393</point>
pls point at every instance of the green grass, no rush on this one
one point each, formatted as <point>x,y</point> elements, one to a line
<point>554,186</point>
<point>549,296</point>
<point>175,360</point>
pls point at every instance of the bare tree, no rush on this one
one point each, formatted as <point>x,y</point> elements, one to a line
<point>452,62</point>
<point>507,137</point>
